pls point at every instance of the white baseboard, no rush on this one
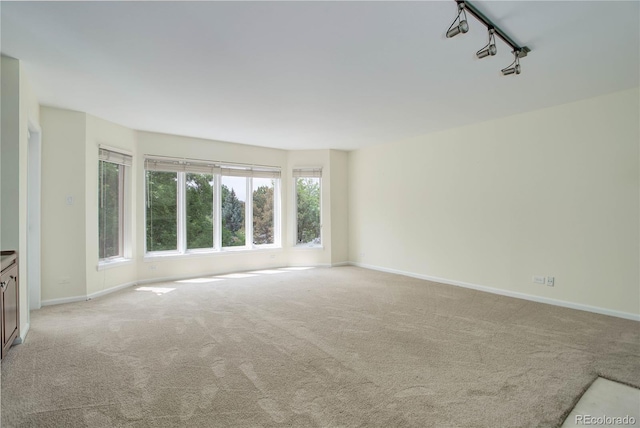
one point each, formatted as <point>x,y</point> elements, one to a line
<point>517,295</point>
<point>87,297</point>
<point>110,290</point>
<point>63,300</point>
<point>23,335</point>
<point>340,264</point>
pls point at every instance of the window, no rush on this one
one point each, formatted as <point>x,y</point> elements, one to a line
<point>234,197</point>
<point>113,172</point>
<point>196,206</point>
<point>162,211</point>
<point>308,206</point>
<point>263,211</point>
<point>199,210</point>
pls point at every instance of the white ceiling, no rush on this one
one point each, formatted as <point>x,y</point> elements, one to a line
<point>308,75</point>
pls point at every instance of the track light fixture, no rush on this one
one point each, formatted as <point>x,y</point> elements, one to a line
<point>514,67</point>
<point>490,48</point>
<point>460,25</point>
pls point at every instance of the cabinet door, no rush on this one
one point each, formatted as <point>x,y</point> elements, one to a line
<point>10,304</point>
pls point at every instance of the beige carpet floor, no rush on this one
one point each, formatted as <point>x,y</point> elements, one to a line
<point>320,348</point>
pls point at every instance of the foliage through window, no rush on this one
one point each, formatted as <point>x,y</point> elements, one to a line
<point>198,205</point>
<point>308,211</point>
<point>234,190</point>
<point>162,211</point>
<point>199,210</point>
<point>263,211</point>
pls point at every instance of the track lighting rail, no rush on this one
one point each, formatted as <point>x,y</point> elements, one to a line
<point>522,50</point>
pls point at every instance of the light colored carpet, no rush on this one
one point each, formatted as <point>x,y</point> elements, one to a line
<point>322,347</point>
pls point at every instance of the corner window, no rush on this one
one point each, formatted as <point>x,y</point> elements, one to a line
<point>202,206</point>
<point>308,206</point>
<point>113,205</point>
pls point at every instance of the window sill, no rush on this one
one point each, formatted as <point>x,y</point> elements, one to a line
<point>154,257</point>
<point>308,247</point>
<point>112,263</point>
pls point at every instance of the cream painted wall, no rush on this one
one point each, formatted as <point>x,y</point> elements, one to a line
<point>202,264</point>
<point>10,153</point>
<point>99,132</point>
<point>19,107</point>
<point>552,192</point>
<point>339,207</point>
<point>63,226</point>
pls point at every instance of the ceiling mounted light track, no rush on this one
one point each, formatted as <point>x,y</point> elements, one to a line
<point>460,25</point>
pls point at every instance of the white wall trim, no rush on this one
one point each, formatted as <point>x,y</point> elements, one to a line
<point>110,290</point>
<point>340,264</point>
<point>515,294</point>
<point>88,296</point>
<point>63,300</point>
<point>23,335</point>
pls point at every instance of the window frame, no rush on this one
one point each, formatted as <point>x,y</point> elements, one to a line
<point>214,192</point>
<point>301,173</point>
<point>123,159</point>
<point>277,236</point>
<point>146,199</point>
<point>217,172</point>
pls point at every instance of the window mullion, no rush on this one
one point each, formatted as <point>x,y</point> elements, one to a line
<point>248,214</point>
<point>182,213</point>
<point>277,230</point>
<point>121,210</point>
<point>217,212</point>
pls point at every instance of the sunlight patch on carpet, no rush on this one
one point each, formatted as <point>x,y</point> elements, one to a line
<point>198,280</point>
<point>606,403</point>
<point>268,271</point>
<point>158,290</point>
<point>236,275</point>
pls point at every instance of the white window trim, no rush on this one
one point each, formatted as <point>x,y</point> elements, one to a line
<point>113,262</point>
<point>165,255</point>
<point>182,251</point>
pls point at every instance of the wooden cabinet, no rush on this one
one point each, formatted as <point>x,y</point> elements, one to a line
<point>9,301</point>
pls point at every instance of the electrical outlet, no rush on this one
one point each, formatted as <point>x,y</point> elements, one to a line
<point>538,279</point>
<point>272,256</point>
<point>153,267</point>
<point>551,281</point>
<point>362,255</point>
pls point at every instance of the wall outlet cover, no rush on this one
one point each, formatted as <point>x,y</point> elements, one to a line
<point>537,279</point>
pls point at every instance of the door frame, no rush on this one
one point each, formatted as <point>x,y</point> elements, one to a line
<point>34,215</point>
